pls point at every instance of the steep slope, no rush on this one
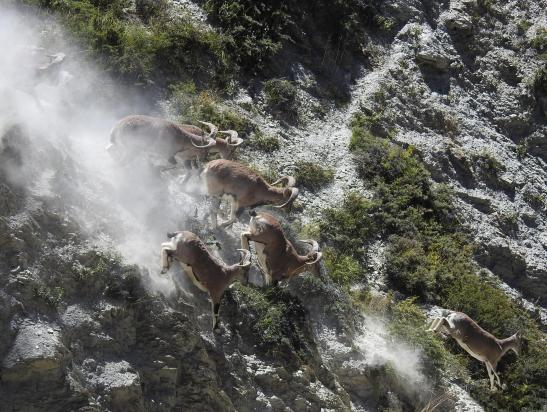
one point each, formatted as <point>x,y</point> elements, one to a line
<point>83,329</point>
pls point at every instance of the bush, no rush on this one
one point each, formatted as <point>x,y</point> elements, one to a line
<point>348,227</point>
<point>280,327</point>
<point>343,269</point>
<point>426,266</point>
<point>312,175</point>
<point>52,296</point>
<point>263,142</point>
<point>489,164</point>
<point>281,96</point>
<point>163,51</point>
<point>259,31</point>
<point>193,106</point>
<point>539,41</point>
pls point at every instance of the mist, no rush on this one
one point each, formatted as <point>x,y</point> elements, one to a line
<point>56,112</point>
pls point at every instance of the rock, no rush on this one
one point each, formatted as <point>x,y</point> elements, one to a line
<point>537,143</point>
<point>431,50</point>
<point>457,21</point>
<point>36,355</point>
<point>120,384</point>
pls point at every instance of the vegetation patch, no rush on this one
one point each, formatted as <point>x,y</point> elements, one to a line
<point>193,106</point>
<point>145,44</point>
<point>343,269</point>
<point>52,296</point>
<point>258,31</point>
<point>312,175</point>
<point>281,96</point>
<point>263,142</point>
<point>539,41</point>
<point>429,256</point>
<point>280,327</point>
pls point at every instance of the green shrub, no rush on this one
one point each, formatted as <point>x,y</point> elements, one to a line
<point>426,266</point>
<point>539,41</point>
<point>259,31</point>
<point>523,25</point>
<point>281,96</point>
<point>348,227</point>
<point>163,51</point>
<point>536,200</point>
<point>489,164</point>
<point>263,142</point>
<point>193,106</point>
<point>540,82</point>
<point>343,269</point>
<point>312,175</point>
<point>280,325</point>
<point>52,296</point>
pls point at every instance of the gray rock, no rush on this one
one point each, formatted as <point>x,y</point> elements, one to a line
<point>431,50</point>
<point>37,354</point>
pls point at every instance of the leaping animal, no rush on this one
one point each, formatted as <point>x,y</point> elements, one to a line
<point>206,271</point>
<point>277,257</point>
<point>244,187</point>
<point>479,343</point>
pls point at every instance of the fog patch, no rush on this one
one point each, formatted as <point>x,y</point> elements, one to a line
<point>380,348</point>
<point>58,111</point>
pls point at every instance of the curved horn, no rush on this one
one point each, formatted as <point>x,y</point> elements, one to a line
<point>245,258</point>
<point>318,257</point>
<point>313,243</point>
<point>211,143</point>
<point>212,128</point>
<point>294,194</point>
<point>232,135</point>
<point>290,181</point>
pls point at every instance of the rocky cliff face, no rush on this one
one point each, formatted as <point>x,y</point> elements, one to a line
<point>86,321</point>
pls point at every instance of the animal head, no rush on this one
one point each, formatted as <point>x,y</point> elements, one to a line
<point>314,256</point>
<point>242,268</point>
<point>227,146</point>
<point>519,343</point>
<point>290,193</point>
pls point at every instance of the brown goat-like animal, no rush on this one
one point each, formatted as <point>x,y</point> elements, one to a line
<point>135,134</point>
<point>479,343</point>
<point>245,188</point>
<point>207,272</point>
<point>277,256</point>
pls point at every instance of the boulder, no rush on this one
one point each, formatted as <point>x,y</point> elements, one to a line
<point>37,355</point>
<point>431,50</point>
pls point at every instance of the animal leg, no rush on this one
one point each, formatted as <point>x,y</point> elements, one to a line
<point>491,376</point>
<point>215,206</point>
<point>245,240</point>
<point>216,310</point>
<point>433,324</point>
<point>233,217</point>
<point>495,374</point>
<point>166,259</point>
